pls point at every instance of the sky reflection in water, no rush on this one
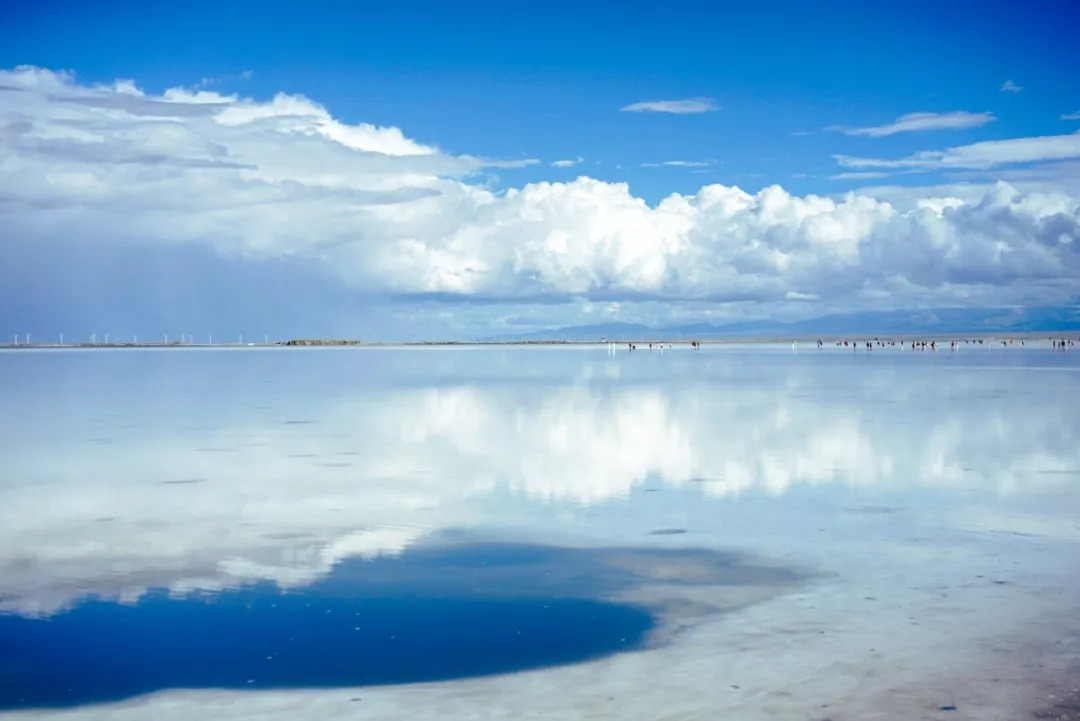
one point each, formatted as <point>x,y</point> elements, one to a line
<point>202,471</point>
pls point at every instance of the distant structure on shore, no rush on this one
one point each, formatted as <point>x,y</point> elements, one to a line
<point>319,341</point>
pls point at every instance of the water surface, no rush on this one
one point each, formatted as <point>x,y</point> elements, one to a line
<point>854,506</point>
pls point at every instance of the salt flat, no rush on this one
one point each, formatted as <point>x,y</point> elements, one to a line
<point>906,521</point>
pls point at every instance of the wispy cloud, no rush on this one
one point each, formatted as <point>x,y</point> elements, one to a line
<point>495,163</point>
<point>679,164</point>
<point>1071,116</point>
<point>689,106</point>
<point>567,163</point>
<point>865,175</point>
<point>1010,87</point>
<point>210,82</point>
<point>988,154</point>
<point>920,122</point>
<point>1061,177</point>
<point>688,163</point>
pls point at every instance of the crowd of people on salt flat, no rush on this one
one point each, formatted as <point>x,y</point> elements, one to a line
<point>933,345</point>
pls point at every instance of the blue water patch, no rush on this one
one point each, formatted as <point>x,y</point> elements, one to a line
<point>427,615</point>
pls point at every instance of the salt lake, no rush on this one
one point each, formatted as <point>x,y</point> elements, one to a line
<point>740,531</point>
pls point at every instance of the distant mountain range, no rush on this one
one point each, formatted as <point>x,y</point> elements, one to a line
<point>930,322</point>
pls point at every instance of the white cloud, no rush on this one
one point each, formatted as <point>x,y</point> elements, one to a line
<point>688,106</point>
<point>859,175</point>
<point>987,154</point>
<point>211,81</point>
<point>687,163</point>
<point>940,205</point>
<point>1071,116</point>
<point>918,122</point>
<point>679,164</point>
<point>567,163</point>
<point>1054,179</point>
<point>392,216</point>
<point>1010,87</point>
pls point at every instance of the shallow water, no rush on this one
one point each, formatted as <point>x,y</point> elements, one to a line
<point>802,524</point>
<point>367,622</point>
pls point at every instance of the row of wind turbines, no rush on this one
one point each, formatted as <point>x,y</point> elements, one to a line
<point>184,339</point>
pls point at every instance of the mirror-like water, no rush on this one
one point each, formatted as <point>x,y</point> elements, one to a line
<point>808,526</point>
<point>461,611</point>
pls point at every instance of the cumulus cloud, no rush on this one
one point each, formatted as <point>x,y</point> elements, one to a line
<point>689,106</point>
<point>987,154</point>
<point>1010,87</point>
<point>917,122</point>
<point>394,216</point>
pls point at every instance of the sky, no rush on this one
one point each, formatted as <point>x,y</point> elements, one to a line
<point>453,170</point>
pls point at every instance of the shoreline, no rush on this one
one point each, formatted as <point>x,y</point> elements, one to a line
<point>827,340</point>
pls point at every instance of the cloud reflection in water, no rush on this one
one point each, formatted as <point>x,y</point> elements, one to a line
<point>399,445</point>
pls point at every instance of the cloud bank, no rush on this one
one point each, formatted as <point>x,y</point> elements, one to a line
<point>389,215</point>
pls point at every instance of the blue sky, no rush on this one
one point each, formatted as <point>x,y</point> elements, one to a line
<point>794,95</point>
<point>546,81</point>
